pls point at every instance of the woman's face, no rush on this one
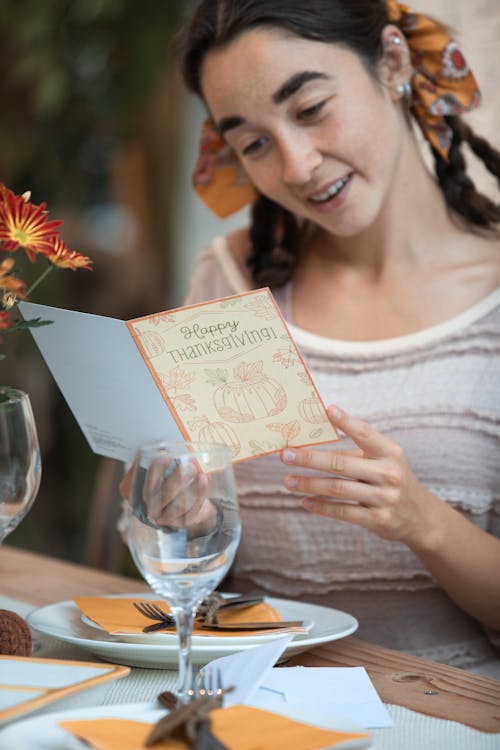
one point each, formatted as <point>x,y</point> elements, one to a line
<point>314,131</point>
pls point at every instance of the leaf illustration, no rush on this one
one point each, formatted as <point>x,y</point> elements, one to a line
<point>177,379</point>
<point>286,357</point>
<point>315,433</point>
<point>291,430</point>
<point>262,447</point>
<point>216,377</point>
<point>246,371</point>
<point>184,402</point>
<point>157,319</point>
<point>261,307</point>
<point>276,426</point>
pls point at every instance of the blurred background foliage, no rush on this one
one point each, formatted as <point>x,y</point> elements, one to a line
<point>90,125</point>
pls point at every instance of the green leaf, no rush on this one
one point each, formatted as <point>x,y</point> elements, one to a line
<point>22,325</point>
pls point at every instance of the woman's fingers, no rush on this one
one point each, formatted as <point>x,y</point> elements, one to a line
<point>349,512</point>
<point>334,487</point>
<point>371,442</point>
<point>371,486</point>
<point>174,492</point>
<point>333,462</point>
<point>126,484</point>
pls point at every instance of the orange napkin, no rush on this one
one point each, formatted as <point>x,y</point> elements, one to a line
<point>238,727</point>
<point>120,616</point>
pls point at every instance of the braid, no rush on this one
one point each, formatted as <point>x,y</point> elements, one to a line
<point>459,190</point>
<point>272,260</point>
<point>480,146</point>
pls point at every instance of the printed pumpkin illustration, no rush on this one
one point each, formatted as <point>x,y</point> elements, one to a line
<point>311,409</point>
<point>217,432</point>
<point>152,342</point>
<point>252,395</point>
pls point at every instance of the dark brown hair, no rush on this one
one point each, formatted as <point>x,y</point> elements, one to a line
<point>275,233</point>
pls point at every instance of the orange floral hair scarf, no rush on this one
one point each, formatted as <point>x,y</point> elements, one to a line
<point>442,84</point>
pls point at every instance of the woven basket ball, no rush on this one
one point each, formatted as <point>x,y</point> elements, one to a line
<point>15,634</point>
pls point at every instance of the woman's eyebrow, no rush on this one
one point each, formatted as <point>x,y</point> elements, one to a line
<point>285,91</point>
<point>227,123</point>
<point>294,83</point>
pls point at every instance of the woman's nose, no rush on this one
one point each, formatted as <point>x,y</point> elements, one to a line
<point>299,158</point>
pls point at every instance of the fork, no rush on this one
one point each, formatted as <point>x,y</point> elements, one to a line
<point>192,720</point>
<point>165,621</point>
<point>216,602</point>
<point>208,684</point>
<point>153,612</point>
<point>209,679</point>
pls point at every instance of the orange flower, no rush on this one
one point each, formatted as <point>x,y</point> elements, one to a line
<point>5,321</point>
<point>4,191</point>
<point>60,255</point>
<point>25,225</point>
<point>9,282</point>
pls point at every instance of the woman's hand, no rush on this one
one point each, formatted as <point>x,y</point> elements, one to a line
<point>371,486</point>
<point>173,497</point>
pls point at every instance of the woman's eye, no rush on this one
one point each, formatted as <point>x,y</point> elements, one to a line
<point>310,112</point>
<point>254,146</point>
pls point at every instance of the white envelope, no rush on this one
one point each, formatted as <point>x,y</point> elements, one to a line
<point>330,697</point>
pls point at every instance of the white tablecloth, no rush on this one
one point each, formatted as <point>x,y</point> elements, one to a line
<point>411,731</point>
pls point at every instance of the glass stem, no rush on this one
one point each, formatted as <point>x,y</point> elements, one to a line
<point>184,621</point>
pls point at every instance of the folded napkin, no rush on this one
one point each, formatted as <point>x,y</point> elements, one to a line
<point>120,616</point>
<point>238,727</point>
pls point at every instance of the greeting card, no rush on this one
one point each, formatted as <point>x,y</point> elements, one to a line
<point>224,371</point>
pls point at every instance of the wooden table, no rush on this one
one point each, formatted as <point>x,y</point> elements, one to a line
<point>425,686</point>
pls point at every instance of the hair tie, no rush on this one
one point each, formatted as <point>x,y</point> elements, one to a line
<point>218,177</point>
<point>442,82</point>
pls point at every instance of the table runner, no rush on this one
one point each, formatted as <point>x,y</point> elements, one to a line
<point>411,731</point>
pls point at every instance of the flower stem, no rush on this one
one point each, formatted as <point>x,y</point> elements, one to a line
<point>39,280</point>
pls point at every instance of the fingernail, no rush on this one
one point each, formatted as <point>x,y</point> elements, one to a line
<point>289,456</point>
<point>335,413</point>
<point>291,482</point>
<point>306,503</point>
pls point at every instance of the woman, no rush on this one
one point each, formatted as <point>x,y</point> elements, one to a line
<point>388,276</point>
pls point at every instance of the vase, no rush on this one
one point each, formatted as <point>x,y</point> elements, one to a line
<point>20,462</point>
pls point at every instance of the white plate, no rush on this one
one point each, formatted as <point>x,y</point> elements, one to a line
<point>43,732</point>
<point>63,621</point>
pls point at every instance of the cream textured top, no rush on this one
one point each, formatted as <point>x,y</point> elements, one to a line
<point>436,393</point>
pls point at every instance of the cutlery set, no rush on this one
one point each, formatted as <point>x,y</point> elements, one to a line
<point>191,721</point>
<point>209,610</point>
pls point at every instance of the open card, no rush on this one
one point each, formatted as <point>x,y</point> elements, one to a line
<point>28,683</point>
<point>224,371</point>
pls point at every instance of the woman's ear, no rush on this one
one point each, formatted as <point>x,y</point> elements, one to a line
<point>395,67</point>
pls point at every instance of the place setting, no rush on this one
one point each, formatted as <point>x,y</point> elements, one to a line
<point>235,702</point>
<point>184,555</point>
<point>184,570</point>
<point>67,622</point>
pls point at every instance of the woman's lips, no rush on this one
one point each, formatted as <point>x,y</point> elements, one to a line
<point>332,196</point>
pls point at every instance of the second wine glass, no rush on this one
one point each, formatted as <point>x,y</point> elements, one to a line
<point>20,464</point>
<point>183,530</point>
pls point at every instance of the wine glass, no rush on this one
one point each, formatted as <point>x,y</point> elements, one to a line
<point>183,530</point>
<point>20,465</point>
